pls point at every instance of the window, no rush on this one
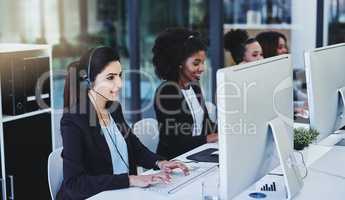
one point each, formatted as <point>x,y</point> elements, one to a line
<point>189,14</point>
<point>336,22</point>
<point>257,11</point>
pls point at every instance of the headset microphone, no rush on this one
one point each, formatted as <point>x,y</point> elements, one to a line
<point>86,77</point>
<point>88,81</point>
<point>100,94</point>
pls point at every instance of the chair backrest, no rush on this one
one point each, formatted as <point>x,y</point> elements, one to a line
<point>212,111</point>
<point>55,172</point>
<point>147,132</point>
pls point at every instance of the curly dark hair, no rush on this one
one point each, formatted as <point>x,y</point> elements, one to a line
<point>269,41</point>
<point>235,42</point>
<point>171,49</point>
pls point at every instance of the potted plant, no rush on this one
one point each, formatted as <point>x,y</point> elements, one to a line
<point>303,137</point>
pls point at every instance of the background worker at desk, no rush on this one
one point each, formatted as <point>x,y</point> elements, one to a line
<point>273,44</point>
<point>100,152</point>
<point>243,49</point>
<point>179,58</point>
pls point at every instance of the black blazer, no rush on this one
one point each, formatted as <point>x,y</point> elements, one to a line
<point>87,165</point>
<point>175,120</point>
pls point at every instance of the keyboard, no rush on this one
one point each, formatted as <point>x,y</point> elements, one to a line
<point>179,180</point>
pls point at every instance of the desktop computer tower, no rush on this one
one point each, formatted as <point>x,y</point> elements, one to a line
<point>20,73</point>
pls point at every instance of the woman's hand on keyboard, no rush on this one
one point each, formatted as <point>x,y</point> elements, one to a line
<point>169,166</point>
<point>147,180</point>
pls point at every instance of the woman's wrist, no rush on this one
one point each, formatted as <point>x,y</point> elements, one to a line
<point>130,180</point>
<point>159,163</point>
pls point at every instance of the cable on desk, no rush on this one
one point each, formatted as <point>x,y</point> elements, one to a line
<point>304,165</point>
<point>275,174</point>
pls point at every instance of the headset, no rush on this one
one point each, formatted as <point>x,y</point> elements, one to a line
<point>87,76</point>
<point>88,81</point>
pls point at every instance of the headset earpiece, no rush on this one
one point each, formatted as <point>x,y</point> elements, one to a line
<point>83,76</point>
<point>87,77</point>
<point>88,83</point>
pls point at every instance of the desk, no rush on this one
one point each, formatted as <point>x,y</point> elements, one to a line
<point>332,139</point>
<point>192,191</point>
<point>317,185</point>
<point>336,156</point>
<point>300,125</point>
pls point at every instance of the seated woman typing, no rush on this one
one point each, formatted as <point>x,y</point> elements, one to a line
<point>100,152</point>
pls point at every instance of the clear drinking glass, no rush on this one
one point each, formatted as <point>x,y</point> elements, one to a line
<point>210,186</point>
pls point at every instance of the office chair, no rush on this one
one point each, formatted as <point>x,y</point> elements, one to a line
<point>55,172</point>
<point>147,132</point>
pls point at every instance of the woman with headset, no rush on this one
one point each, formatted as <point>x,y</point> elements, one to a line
<point>100,152</point>
<point>179,59</point>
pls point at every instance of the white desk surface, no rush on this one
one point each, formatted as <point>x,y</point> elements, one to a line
<point>300,125</point>
<point>320,186</point>
<point>192,191</point>
<point>317,185</point>
<point>336,156</point>
<point>332,139</point>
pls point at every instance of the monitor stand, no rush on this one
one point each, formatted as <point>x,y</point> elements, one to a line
<point>340,120</point>
<point>292,177</point>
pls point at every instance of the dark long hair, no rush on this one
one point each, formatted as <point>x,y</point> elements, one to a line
<point>76,86</point>
<point>269,41</point>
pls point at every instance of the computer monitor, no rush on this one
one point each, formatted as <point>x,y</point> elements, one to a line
<point>255,104</point>
<point>325,74</point>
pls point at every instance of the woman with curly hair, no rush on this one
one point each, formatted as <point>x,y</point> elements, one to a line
<point>179,57</point>
<point>242,48</point>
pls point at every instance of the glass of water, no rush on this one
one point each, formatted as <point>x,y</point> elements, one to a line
<point>210,187</point>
